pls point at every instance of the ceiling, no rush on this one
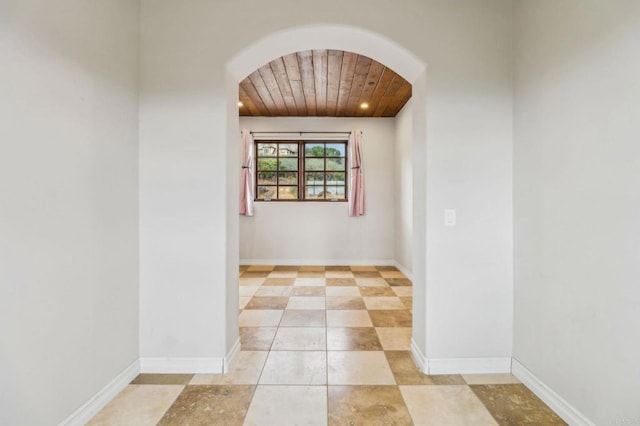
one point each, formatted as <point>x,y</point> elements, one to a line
<point>323,83</point>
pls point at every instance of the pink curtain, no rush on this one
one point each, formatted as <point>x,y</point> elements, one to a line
<point>246,189</point>
<point>356,177</point>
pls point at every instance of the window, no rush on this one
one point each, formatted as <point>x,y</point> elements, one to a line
<point>301,170</point>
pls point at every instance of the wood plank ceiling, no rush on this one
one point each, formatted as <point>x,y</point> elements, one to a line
<point>327,83</point>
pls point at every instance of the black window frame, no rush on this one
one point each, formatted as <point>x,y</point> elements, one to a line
<point>302,183</point>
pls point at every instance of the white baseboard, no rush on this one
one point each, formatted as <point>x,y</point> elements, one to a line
<point>418,357</point>
<point>228,360</point>
<point>566,411</point>
<point>469,365</point>
<point>90,408</point>
<point>322,262</point>
<point>182,365</point>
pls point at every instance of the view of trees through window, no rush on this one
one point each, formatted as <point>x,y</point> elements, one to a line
<point>301,170</point>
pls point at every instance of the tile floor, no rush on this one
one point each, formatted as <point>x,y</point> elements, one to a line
<point>325,345</point>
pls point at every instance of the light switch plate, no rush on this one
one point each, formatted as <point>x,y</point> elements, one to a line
<point>450,217</point>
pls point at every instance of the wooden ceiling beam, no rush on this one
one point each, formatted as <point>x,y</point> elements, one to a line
<point>284,84</point>
<point>293,72</point>
<point>346,79</point>
<point>333,80</point>
<point>274,90</point>
<point>305,64</point>
<point>363,64</point>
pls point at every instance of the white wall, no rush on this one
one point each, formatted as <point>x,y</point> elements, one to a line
<point>68,203</point>
<point>303,233</point>
<point>577,204</point>
<point>403,187</point>
<point>183,138</point>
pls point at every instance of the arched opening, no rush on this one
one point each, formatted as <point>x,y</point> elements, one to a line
<point>348,39</point>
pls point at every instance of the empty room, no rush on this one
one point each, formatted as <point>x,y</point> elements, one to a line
<point>298,212</point>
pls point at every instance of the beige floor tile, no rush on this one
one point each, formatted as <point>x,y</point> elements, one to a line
<point>273,291</point>
<point>383,303</point>
<point>261,268</point>
<point>372,282</point>
<point>288,406</point>
<point>392,274</point>
<point>295,368</point>
<point>490,379</point>
<point>367,405</point>
<point>365,274</point>
<point>514,404</point>
<point>341,282</point>
<point>303,302</point>
<point>253,282</point>
<point>340,302</point>
<point>254,274</point>
<point>215,405</point>
<point>311,281</point>
<point>391,318</point>
<point>303,318</point>
<point>348,318</point>
<point>339,274</point>
<point>242,302</point>
<point>247,290</point>
<point>403,291</point>
<point>395,338</point>
<point>343,291</point>
<point>162,379</point>
<point>312,268</point>
<point>361,268</point>
<point>308,291</point>
<point>278,281</point>
<point>353,339</point>
<point>260,318</point>
<point>300,339</point>
<point>138,405</point>
<point>245,370</point>
<point>376,292</point>
<point>446,406</point>
<point>257,338</point>
<point>311,274</point>
<point>267,302</point>
<point>359,368</point>
<point>283,274</point>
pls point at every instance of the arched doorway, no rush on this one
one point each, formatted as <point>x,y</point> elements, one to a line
<point>348,39</point>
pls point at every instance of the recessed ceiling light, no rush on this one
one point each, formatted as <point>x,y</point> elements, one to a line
<point>364,105</point>
<point>240,104</point>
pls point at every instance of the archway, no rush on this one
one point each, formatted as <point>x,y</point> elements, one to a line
<point>339,38</point>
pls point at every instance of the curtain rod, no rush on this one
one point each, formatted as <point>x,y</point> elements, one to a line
<point>300,132</point>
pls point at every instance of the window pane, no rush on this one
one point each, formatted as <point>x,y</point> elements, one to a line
<point>335,164</point>
<point>288,192</point>
<point>335,178</point>
<point>314,150</point>
<point>266,164</point>
<point>266,178</point>
<point>266,192</point>
<point>267,150</point>
<point>335,150</point>
<point>287,178</point>
<point>288,149</point>
<point>314,192</point>
<point>288,164</point>
<point>314,178</point>
<point>314,164</point>
<point>336,192</point>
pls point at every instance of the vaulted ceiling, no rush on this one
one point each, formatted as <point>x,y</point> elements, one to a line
<point>326,83</point>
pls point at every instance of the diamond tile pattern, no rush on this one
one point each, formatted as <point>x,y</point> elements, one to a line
<point>325,345</point>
